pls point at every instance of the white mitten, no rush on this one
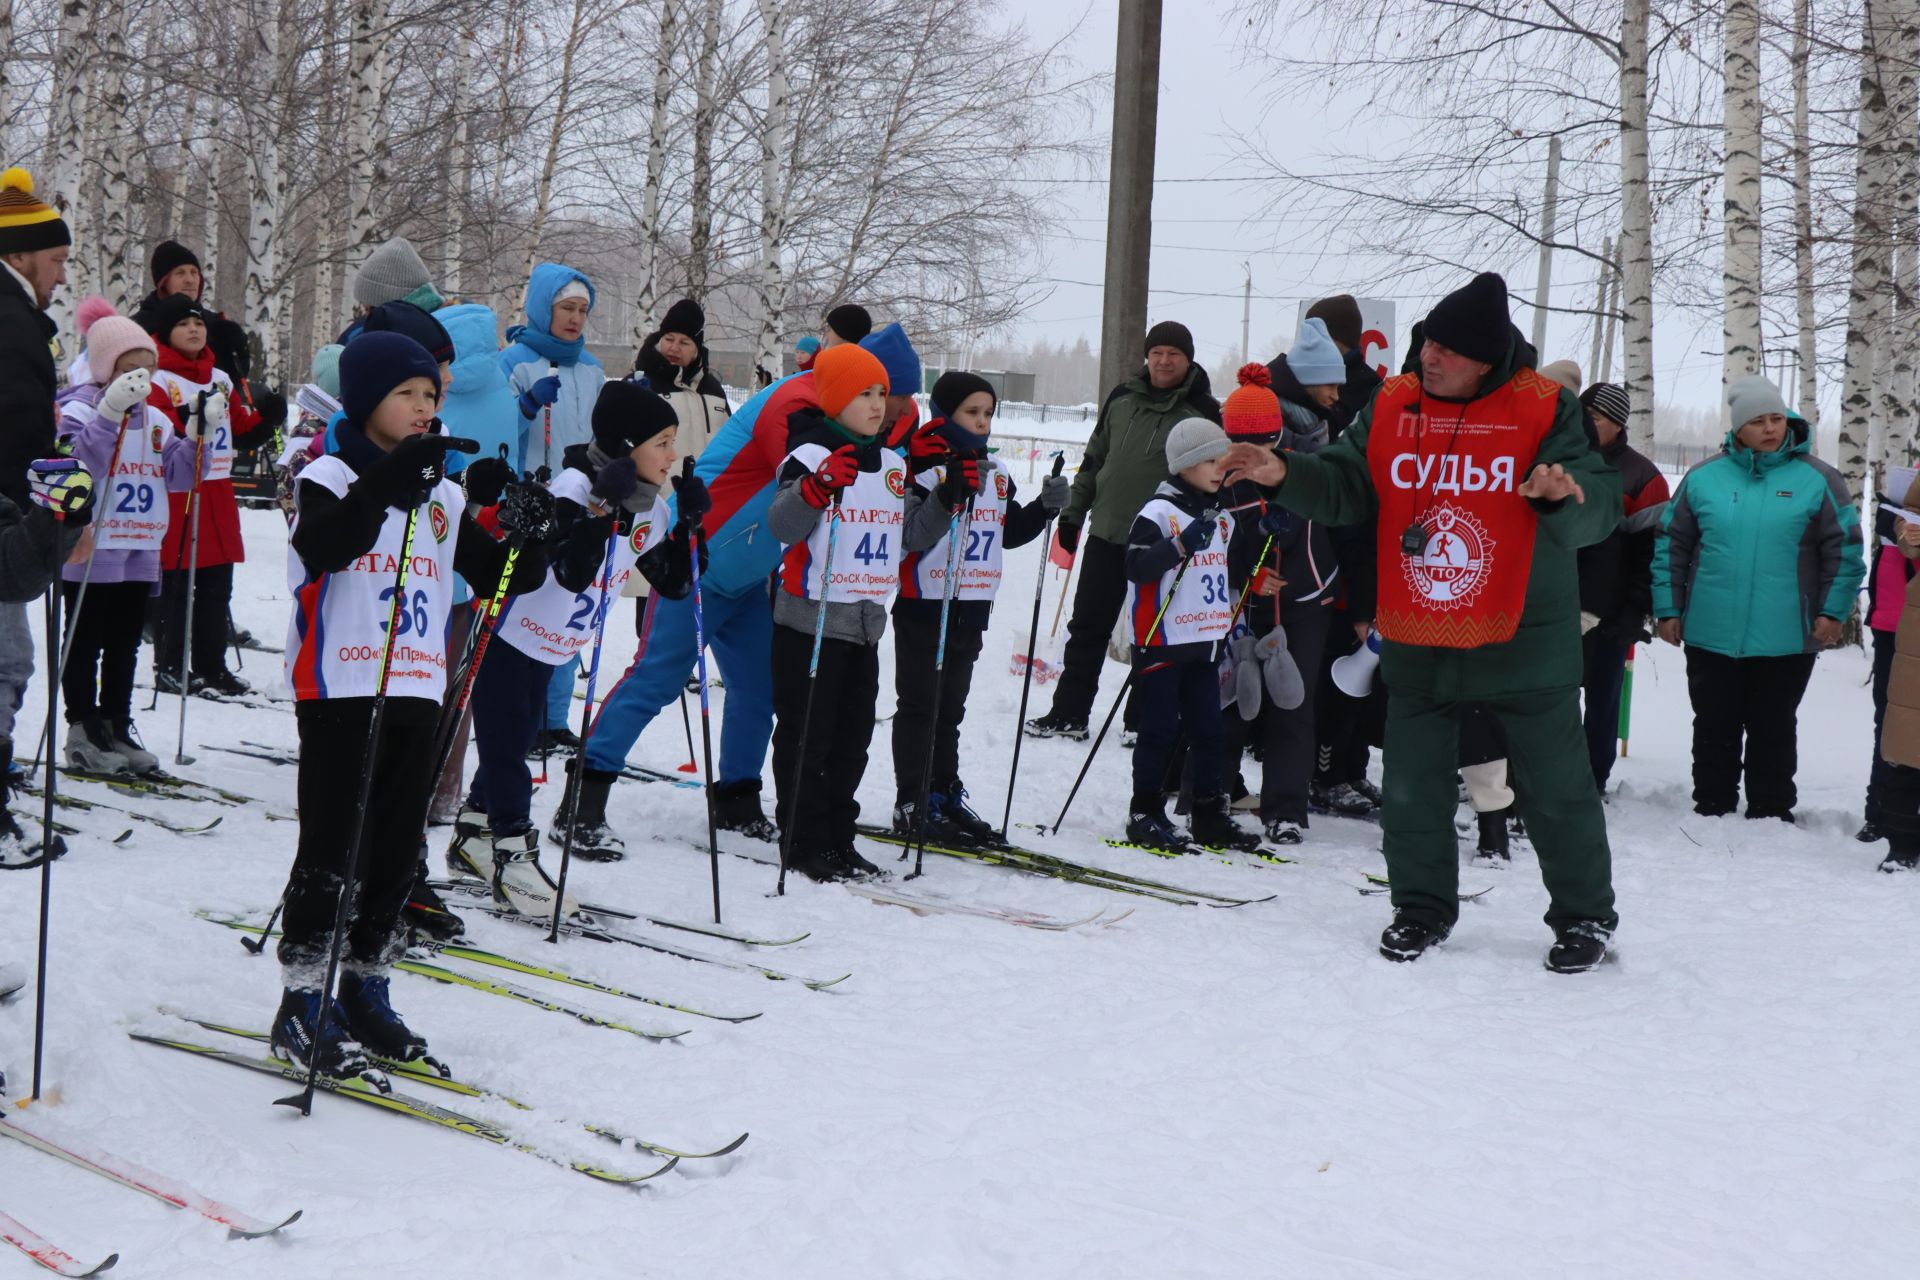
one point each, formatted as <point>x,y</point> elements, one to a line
<point>124,392</point>
<point>1282,674</point>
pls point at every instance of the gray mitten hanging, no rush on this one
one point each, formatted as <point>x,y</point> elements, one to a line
<point>1282,673</point>
<point>1246,678</point>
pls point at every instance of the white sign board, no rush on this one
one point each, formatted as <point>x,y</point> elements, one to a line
<point>1376,334</point>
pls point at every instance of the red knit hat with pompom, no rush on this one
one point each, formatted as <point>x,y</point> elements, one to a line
<point>1253,409</point>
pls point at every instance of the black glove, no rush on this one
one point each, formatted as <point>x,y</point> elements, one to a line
<point>1276,521</point>
<point>272,408</point>
<point>526,513</point>
<point>406,476</point>
<point>962,481</point>
<point>617,481</point>
<point>1070,537</point>
<point>690,493</point>
<point>485,479</point>
<point>1198,536</point>
<point>678,538</point>
<point>582,550</point>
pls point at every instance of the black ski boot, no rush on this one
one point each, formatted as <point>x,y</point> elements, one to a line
<point>853,866</point>
<point>1901,860</point>
<point>1493,850</point>
<point>820,865</point>
<point>960,814</point>
<point>1213,825</point>
<point>939,828</point>
<point>336,1054</point>
<point>1581,947</point>
<point>1052,725</point>
<point>593,839</point>
<point>1869,833</point>
<point>367,1005</point>
<point>1408,939</point>
<point>18,848</point>
<point>736,807</point>
<point>1148,826</point>
<point>221,684</point>
<point>426,914</point>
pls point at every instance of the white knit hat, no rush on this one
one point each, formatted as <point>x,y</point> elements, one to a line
<point>1192,442</point>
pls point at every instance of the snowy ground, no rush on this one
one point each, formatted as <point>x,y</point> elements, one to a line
<point>1251,1092</point>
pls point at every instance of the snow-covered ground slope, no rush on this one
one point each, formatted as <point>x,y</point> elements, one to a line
<point>1191,1092</point>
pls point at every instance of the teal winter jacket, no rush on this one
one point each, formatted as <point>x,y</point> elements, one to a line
<point>1754,547</point>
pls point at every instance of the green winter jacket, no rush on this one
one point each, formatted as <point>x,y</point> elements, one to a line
<point>1126,457</point>
<point>1335,486</point>
<point>1755,546</point>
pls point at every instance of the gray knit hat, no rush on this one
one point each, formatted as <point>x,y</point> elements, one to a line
<point>389,274</point>
<point>1750,397</point>
<point>1192,442</point>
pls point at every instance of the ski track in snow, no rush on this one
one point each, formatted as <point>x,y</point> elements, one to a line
<point>1194,1092</point>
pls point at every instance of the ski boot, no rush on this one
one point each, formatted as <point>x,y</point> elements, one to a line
<point>1282,832</point>
<point>1408,939</point>
<point>1054,725</point>
<point>562,740</point>
<point>1580,947</point>
<point>853,866</point>
<point>520,882</point>
<point>1492,850</point>
<point>1345,800</point>
<point>425,914</point>
<point>167,679</point>
<point>960,814</point>
<point>125,739</point>
<point>18,849</point>
<point>823,866</point>
<point>221,684</point>
<point>295,1027</point>
<point>1147,826</point>
<point>1370,792</point>
<point>593,839</point>
<point>90,748</point>
<point>1213,825</point>
<point>1901,860</point>
<point>470,852</point>
<point>1869,833</point>
<point>1129,739</point>
<point>938,828</point>
<point>736,807</point>
<point>367,1005</point>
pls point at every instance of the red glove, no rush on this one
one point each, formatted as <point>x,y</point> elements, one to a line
<point>962,482</point>
<point>835,472</point>
<point>926,448</point>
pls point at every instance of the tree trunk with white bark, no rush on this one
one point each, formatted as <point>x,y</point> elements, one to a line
<point>261,296</point>
<point>700,198</point>
<point>1636,225</point>
<point>771,290</point>
<point>1803,309</point>
<point>556,134</point>
<point>366,71</point>
<point>459,172</point>
<point>1896,373</point>
<point>1867,278</point>
<point>114,147</point>
<point>656,172</point>
<point>1741,221</point>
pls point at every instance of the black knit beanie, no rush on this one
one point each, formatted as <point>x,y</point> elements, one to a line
<point>686,317</point>
<point>1341,314</point>
<point>1171,333</point>
<point>628,415</point>
<point>1473,320</point>
<point>404,317</point>
<point>851,322</point>
<point>169,254</point>
<point>952,388</point>
<point>175,309</point>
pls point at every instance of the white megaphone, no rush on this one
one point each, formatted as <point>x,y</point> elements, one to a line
<point>1354,673</point>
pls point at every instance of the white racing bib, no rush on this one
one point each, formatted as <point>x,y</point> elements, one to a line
<point>131,514</point>
<point>978,562</point>
<point>185,394</point>
<point>866,550</point>
<point>553,624</point>
<point>1202,605</point>
<point>338,633</point>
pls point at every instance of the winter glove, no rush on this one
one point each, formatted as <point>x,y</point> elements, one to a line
<point>539,396</point>
<point>215,408</point>
<point>1246,677</point>
<point>1069,535</point>
<point>405,477</point>
<point>1198,536</point>
<point>835,472</point>
<point>927,448</point>
<point>527,515</point>
<point>1281,672</point>
<point>690,494</point>
<point>961,483</point>
<point>617,482</point>
<point>679,540</point>
<point>1054,491</point>
<point>272,408</point>
<point>62,485</point>
<point>581,551</point>
<point>124,392</point>
<point>486,479</point>
<point>1276,521</point>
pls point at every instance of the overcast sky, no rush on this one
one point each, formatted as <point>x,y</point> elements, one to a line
<point>1209,226</point>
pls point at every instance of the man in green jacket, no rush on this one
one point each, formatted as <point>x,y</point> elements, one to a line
<point>1483,484</point>
<point>1124,463</point>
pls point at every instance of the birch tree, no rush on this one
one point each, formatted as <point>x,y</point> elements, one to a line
<point>1636,224</point>
<point>656,171</point>
<point>1805,321</point>
<point>366,71</point>
<point>113,229</point>
<point>772,290</point>
<point>261,71</point>
<point>1741,210</point>
<point>556,132</point>
<point>1895,373</point>
<point>1869,261</point>
<point>700,200</point>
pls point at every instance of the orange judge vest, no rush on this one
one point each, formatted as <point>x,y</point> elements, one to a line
<point>1456,469</point>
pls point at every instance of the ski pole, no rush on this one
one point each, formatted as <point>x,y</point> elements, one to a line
<point>956,533</point>
<point>180,755</point>
<point>46,830</point>
<point>1033,643</point>
<point>686,722</point>
<point>484,622</point>
<point>343,900</point>
<point>694,538</point>
<point>570,801</point>
<point>813,686</point>
<point>257,945</point>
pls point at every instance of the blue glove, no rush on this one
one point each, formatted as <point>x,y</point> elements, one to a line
<point>1276,521</point>
<point>1198,536</point>
<point>539,396</point>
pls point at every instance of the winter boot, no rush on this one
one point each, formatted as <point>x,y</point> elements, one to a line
<point>166,678</point>
<point>1213,825</point>
<point>1148,827</point>
<point>1282,832</point>
<point>18,848</point>
<point>736,807</point>
<point>367,1005</point>
<point>1581,947</point>
<point>425,914</point>
<point>960,814</point>
<point>940,829</point>
<point>298,1037</point>
<point>1869,833</point>
<point>853,866</point>
<point>126,740</point>
<point>1492,850</point>
<point>1408,939</point>
<point>593,839</point>
<point>520,881</point>
<point>821,865</point>
<point>1053,725</point>
<point>90,748</point>
<point>1370,792</point>
<point>1347,801</point>
<point>563,740</point>
<point>1901,860</point>
<point>470,852</point>
<point>221,684</point>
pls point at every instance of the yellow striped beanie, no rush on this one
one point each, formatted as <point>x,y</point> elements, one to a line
<point>27,223</point>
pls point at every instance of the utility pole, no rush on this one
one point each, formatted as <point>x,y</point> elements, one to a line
<point>1136,108</point>
<point>1246,317</point>
<point>1543,281</point>
<point>1600,305</point>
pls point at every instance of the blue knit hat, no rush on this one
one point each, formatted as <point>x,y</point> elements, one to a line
<point>902,362</point>
<point>373,364</point>
<point>1314,360</point>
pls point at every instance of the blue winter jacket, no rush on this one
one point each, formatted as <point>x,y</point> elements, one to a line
<point>1755,546</point>
<point>479,404</point>
<point>581,376</point>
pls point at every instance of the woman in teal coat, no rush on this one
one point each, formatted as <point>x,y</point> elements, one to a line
<point>1757,565</point>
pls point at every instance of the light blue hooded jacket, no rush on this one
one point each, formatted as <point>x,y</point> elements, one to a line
<point>533,352</point>
<point>479,404</point>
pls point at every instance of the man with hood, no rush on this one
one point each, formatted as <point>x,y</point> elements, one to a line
<point>1125,461</point>
<point>1482,486</point>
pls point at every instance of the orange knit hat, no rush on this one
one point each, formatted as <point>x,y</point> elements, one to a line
<point>843,372</point>
<point>1253,409</point>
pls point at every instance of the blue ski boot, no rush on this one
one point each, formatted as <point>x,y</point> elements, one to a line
<point>367,1005</point>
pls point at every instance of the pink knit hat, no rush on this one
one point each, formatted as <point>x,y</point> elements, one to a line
<point>109,339</point>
